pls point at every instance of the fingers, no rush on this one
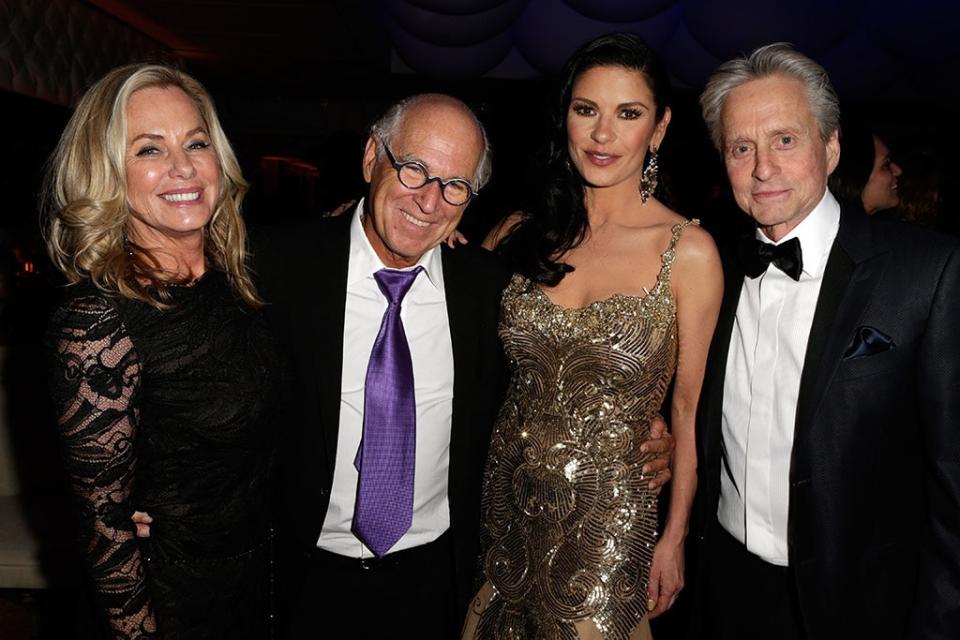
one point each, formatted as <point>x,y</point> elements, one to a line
<point>667,601</point>
<point>456,238</point>
<point>660,479</point>
<point>665,597</point>
<point>658,427</point>
<point>658,471</point>
<point>141,517</point>
<point>666,576</point>
<point>663,444</point>
<point>142,521</point>
<point>653,595</point>
<point>658,467</point>
<point>346,206</point>
<point>655,465</point>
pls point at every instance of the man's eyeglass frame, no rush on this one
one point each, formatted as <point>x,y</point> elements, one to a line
<point>427,178</point>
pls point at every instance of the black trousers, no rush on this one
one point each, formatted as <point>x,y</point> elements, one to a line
<point>406,594</point>
<point>746,597</point>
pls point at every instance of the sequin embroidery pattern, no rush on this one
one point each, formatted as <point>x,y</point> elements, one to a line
<point>569,523</point>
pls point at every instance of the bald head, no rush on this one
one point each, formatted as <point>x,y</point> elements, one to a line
<point>441,145</point>
<point>426,105</point>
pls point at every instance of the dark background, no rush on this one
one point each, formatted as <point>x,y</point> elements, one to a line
<point>298,83</point>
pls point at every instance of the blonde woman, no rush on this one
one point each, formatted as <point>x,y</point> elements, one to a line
<point>162,372</point>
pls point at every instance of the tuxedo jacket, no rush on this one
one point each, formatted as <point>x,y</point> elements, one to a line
<point>874,513</point>
<point>302,272</point>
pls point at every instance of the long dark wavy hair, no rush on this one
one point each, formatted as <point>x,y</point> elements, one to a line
<point>849,179</point>
<point>556,221</point>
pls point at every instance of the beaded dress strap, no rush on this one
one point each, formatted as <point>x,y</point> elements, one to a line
<point>666,259</point>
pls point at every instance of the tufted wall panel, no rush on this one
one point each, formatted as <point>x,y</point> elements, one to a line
<point>53,49</point>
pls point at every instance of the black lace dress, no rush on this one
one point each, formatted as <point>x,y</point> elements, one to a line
<point>170,412</point>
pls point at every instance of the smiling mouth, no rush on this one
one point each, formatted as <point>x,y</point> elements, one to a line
<point>411,219</point>
<point>191,196</point>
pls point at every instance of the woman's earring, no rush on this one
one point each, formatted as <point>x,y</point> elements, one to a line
<point>648,181</point>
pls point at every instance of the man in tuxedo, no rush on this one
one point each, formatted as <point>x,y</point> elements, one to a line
<point>829,427</point>
<point>398,376</point>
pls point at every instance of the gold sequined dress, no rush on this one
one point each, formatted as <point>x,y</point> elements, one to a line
<point>569,523</point>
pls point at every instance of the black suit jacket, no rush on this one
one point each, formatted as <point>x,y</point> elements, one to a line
<point>874,517</point>
<point>303,274</point>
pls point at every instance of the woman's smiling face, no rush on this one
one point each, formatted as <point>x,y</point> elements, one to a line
<point>173,179</point>
<point>611,125</point>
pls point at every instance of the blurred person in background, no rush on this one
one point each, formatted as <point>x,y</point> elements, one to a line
<point>866,176</point>
<point>924,191</point>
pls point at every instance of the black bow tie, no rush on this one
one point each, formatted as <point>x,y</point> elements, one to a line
<point>757,255</point>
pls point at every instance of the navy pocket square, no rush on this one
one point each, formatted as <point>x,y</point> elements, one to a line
<point>868,341</point>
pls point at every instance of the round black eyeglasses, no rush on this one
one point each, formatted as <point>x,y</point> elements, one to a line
<point>413,175</point>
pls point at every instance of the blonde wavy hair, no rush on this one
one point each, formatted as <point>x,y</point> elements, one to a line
<point>85,209</point>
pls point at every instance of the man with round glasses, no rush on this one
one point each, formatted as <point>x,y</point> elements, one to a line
<point>384,536</point>
<point>328,282</point>
<point>424,161</point>
<point>414,175</point>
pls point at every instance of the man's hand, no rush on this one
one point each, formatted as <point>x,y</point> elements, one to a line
<point>661,444</point>
<point>341,209</point>
<point>455,238</point>
<point>142,519</point>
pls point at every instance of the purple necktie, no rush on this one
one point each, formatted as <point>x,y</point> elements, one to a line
<point>385,459</point>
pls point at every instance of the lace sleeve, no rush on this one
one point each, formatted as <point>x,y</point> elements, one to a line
<point>95,378</point>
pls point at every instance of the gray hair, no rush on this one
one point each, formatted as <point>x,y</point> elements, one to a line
<point>389,123</point>
<point>778,59</point>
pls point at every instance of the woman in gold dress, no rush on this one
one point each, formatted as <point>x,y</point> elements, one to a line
<point>614,296</point>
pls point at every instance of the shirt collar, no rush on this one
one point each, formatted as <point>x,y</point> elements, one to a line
<point>364,261</point>
<point>816,233</point>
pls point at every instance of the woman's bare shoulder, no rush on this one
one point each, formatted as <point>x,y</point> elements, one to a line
<point>696,251</point>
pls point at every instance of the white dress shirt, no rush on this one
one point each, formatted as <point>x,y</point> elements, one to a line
<point>424,316</point>
<point>764,363</point>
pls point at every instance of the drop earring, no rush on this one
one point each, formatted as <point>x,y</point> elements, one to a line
<point>648,181</point>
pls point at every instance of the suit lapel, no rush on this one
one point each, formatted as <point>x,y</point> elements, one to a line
<point>816,367</point>
<point>463,337</point>
<point>851,274</point>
